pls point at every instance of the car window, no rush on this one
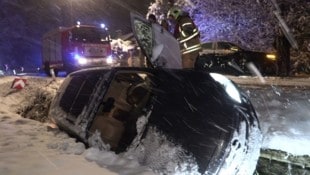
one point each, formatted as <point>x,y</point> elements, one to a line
<point>90,34</point>
<point>77,94</point>
<point>122,86</point>
<point>223,45</point>
<point>143,33</point>
<point>207,46</point>
<point>234,46</point>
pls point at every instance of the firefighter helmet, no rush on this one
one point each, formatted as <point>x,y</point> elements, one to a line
<point>175,12</point>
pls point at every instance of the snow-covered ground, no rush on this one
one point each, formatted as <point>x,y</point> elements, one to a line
<point>283,107</point>
<point>31,147</point>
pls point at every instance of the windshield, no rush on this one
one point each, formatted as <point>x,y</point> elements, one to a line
<point>89,34</point>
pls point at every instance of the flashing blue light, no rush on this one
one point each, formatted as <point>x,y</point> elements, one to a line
<point>77,56</point>
<point>80,59</point>
<point>102,25</point>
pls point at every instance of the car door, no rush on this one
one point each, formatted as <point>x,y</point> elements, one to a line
<point>159,46</point>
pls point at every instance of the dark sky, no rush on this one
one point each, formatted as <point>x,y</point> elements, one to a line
<point>23,22</point>
<point>114,12</point>
<point>48,14</point>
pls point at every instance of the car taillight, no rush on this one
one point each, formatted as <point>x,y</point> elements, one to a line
<point>272,57</point>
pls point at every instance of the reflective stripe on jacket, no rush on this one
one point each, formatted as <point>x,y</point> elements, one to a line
<point>187,34</point>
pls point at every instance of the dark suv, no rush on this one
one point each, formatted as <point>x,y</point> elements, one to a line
<point>173,120</point>
<point>226,57</point>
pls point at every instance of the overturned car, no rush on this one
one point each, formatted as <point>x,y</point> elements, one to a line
<point>174,121</point>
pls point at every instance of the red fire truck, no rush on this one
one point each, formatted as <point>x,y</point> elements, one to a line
<point>73,48</point>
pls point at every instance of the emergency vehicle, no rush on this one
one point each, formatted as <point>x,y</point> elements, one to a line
<point>72,48</point>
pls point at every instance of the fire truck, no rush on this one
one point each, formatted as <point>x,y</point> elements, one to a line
<point>72,48</point>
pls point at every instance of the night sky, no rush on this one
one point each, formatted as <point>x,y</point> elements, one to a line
<point>23,22</point>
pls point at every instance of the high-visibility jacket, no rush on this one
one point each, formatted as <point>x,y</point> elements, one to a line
<point>187,34</point>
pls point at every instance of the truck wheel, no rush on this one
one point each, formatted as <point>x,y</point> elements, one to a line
<point>48,72</point>
<point>47,69</point>
<point>56,72</point>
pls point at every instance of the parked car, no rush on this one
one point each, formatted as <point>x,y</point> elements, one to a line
<point>175,121</point>
<point>226,57</point>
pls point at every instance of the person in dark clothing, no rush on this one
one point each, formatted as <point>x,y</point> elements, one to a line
<point>152,18</point>
<point>164,23</point>
<point>282,45</point>
<point>187,33</point>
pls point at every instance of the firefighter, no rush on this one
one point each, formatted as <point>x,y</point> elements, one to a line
<point>186,32</point>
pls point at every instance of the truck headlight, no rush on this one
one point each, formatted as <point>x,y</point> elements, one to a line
<point>272,57</point>
<point>109,60</point>
<point>79,59</point>
<point>82,61</point>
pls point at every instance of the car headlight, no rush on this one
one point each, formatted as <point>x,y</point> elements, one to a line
<point>79,59</point>
<point>272,57</point>
<point>230,88</point>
